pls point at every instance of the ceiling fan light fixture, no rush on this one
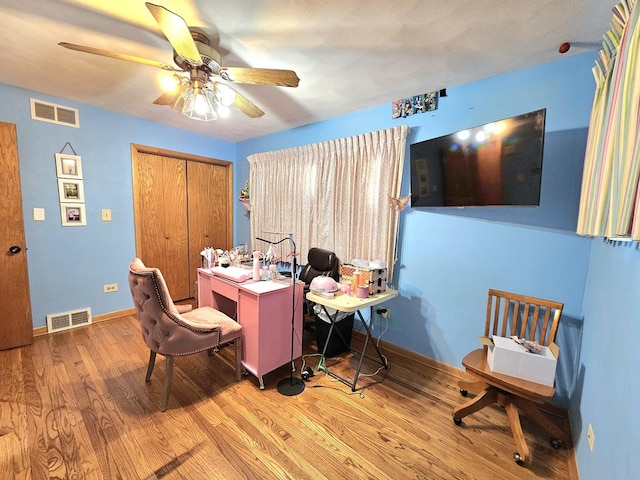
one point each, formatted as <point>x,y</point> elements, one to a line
<point>170,83</point>
<point>226,95</point>
<point>202,93</point>
<point>223,111</point>
<point>197,103</point>
<point>200,105</point>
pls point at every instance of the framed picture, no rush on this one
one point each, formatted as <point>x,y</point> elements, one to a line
<point>73,214</point>
<point>70,190</point>
<point>396,109</point>
<point>431,101</point>
<point>407,107</point>
<point>68,166</point>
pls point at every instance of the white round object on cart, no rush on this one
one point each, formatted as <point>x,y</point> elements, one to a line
<point>322,284</point>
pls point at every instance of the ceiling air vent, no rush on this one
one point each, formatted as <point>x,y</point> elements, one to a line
<point>67,320</point>
<point>52,113</point>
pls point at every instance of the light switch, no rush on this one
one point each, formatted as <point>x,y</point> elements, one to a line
<point>106,214</point>
<point>38,214</point>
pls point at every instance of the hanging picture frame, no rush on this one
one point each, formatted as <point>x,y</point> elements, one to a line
<point>73,214</point>
<point>70,190</point>
<point>68,166</point>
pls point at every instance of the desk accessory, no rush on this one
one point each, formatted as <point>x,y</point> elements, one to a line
<point>289,386</point>
<point>362,291</point>
<point>236,274</point>
<point>256,266</point>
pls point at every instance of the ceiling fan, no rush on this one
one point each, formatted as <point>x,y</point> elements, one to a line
<point>206,92</point>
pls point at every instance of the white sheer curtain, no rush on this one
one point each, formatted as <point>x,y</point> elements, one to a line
<point>333,195</point>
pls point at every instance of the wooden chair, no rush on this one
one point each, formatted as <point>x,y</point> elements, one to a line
<point>534,319</point>
<point>172,330</point>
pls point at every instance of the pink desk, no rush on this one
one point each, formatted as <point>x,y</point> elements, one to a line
<point>264,311</point>
<point>347,303</point>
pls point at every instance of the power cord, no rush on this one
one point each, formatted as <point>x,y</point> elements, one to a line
<point>377,340</point>
<point>326,376</point>
<point>304,359</point>
<point>360,392</point>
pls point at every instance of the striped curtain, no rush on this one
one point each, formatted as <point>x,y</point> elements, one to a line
<point>610,197</point>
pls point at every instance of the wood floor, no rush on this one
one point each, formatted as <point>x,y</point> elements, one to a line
<point>74,405</point>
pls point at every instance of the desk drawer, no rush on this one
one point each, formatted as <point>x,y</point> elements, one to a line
<point>220,287</point>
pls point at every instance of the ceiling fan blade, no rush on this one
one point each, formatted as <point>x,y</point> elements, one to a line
<point>167,98</point>
<point>119,56</point>
<point>247,107</point>
<point>170,98</point>
<point>177,32</point>
<point>260,76</point>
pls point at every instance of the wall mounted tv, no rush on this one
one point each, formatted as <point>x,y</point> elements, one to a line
<point>497,164</point>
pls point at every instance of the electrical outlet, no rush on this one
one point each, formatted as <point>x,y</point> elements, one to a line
<point>590,437</point>
<point>384,312</point>
<point>110,288</point>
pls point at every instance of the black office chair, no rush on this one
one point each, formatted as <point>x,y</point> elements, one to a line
<point>320,262</point>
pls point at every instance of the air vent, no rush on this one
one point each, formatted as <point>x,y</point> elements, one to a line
<point>53,113</point>
<point>67,320</point>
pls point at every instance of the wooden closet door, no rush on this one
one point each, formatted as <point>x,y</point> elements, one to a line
<point>161,219</point>
<point>182,203</point>
<point>209,212</point>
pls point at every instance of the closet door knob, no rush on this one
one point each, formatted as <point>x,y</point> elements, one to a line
<point>14,249</point>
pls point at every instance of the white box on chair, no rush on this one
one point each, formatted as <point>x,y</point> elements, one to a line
<point>506,356</point>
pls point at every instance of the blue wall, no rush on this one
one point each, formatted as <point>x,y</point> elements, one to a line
<point>449,255</point>
<point>607,385</point>
<point>447,260</point>
<point>69,265</point>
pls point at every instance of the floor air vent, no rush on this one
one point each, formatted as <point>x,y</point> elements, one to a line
<point>53,113</point>
<point>67,320</point>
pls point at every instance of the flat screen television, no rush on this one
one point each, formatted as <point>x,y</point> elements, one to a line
<point>497,164</point>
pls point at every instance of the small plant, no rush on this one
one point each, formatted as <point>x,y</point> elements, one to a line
<point>244,191</point>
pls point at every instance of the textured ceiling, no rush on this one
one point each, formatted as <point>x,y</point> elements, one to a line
<point>349,54</point>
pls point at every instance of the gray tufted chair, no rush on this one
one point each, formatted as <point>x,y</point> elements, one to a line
<point>170,331</point>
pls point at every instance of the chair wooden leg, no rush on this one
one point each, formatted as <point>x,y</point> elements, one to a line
<point>473,386</point>
<point>152,361</point>
<point>532,411</point>
<point>484,398</point>
<point>167,382</point>
<point>237,346</point>
<point>522,451</point>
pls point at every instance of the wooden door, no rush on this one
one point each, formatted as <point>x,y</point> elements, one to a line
<point>210,222</point>
<point>161,219</point>
<point>186,198</point>
<point>16,327</point>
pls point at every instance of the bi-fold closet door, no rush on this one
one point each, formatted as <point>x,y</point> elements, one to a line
<point>182,204</point>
